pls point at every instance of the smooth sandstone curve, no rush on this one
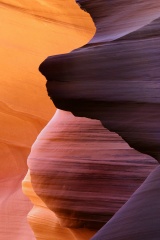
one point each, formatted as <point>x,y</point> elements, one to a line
<point>115,81</point>
<point>30,31</point>
<point>84,173</point>
<point>66,34</point>
<point>139,218</point>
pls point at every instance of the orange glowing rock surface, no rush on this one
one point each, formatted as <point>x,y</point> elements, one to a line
<point>29,33</point>
<point>45,223</point>
<point>81,171</point>
<point>80,174</point>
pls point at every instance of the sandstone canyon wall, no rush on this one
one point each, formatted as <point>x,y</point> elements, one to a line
<point>83,174</point>
<point>82,169</point>
<point>30,31</point>
<point>114,81</point>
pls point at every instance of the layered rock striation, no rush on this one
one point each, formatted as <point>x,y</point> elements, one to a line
<point>116,79</point>
<point>139,218</point>
<point>30,30</point>
<point>81,165</point>
<point>83,172</point>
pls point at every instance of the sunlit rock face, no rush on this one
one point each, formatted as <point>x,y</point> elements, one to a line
<point>81,171</point>
<point>30,31</point>
<point>45,223</point>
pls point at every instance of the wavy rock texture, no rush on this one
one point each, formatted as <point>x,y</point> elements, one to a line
<point>45,223</point>
<point>84,173</point>
<point>139,218</point>
<point>113,80</point>
<point>116,81</point>
<point>29,32</point>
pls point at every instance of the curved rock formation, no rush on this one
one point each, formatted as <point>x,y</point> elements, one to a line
<point>25,107</point>
<point>139,218</point>
<point>116,81</point>
<point>84,173</point>
<point>45,223</point>
<point>80,170</point>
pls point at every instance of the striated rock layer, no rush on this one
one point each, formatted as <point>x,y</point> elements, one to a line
<point>114,78</point>
<point>45,223</point>
<point>84,173</point>
<point>139,218</point>
<point>30,30</point>
<point>80,170</point>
